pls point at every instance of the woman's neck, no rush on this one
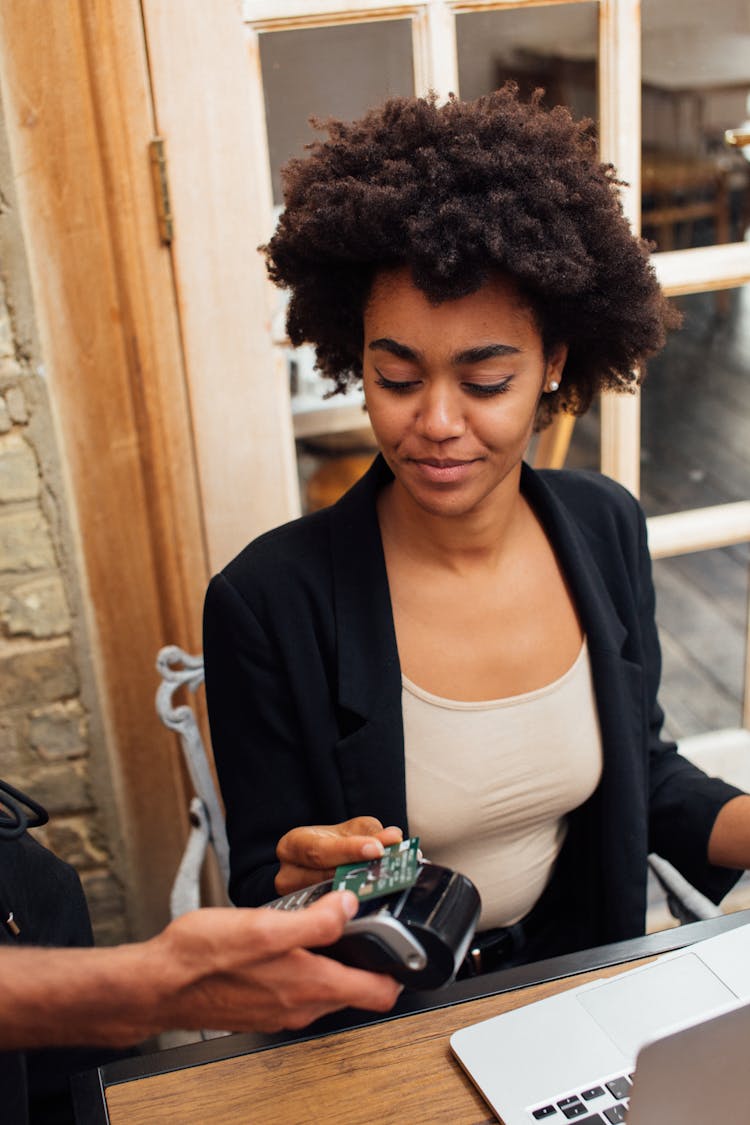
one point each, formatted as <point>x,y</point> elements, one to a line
<point>478,538</point>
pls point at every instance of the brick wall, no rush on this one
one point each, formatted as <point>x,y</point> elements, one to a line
<point>52,741</point>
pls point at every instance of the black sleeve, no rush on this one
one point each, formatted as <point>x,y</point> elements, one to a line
<point>683,801</point>
<point>257,742</point>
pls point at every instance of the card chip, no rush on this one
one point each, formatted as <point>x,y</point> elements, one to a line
<point>396,870</point>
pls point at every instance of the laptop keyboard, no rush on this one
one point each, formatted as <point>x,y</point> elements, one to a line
<point>602,1103</point>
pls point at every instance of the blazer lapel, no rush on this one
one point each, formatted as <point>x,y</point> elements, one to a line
<point>601,621</point>
<point>618,806</point>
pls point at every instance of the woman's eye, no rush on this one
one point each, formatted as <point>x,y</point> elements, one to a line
<point>400,386</point>
<point>487,390</point>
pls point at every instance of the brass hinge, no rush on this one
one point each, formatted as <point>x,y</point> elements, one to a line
<point>158,158</point>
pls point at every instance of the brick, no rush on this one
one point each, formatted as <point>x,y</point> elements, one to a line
<point>34,672</point>
<point>62,787</point>
<point>70,838</point>
<point>19,473</point>
<point>16,403</point>
<point>106,901</point>
<point>38,608</point>
<point>5,420</point>
<point>25,543</point>
<point>10,749</point>
<point>8,363</point>
<point>59,731</point>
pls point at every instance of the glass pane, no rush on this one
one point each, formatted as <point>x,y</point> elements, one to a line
<point>695,406</point>
<point>554,46</point>
<point>701,607</point>
<point>695,453</point>
<point>326,72</point>
<point>329,72</point>
<point>696,84</point>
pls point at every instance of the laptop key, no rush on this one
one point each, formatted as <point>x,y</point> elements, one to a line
<point>577,1109</point>
<point>542,1112</point>
<point>615,1114</point>
<point>592,1092</point>
<point>618,1087</point>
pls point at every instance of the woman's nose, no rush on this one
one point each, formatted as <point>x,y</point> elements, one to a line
<point>441,414</point>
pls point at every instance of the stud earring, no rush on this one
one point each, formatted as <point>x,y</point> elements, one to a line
<point>554,386</point>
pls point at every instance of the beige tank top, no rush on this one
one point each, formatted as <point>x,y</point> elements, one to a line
<point>489,784</point>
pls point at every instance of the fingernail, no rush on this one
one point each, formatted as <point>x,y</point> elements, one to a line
<point>373,850</point>
<point>350,903</point>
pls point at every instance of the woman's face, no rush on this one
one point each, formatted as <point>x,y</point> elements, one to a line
<point>452,389</point>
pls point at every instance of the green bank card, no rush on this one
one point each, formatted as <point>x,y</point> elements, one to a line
<point>396,870</point>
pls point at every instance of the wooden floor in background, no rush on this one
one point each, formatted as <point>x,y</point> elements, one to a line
<point>696,452</point>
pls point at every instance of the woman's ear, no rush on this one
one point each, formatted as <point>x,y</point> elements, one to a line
<point>553,368</point>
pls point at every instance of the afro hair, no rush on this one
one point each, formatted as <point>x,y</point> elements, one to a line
<point>455,192</point>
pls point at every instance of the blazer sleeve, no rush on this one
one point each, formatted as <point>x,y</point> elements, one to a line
<point>256,741</point>
<point>683,801</point>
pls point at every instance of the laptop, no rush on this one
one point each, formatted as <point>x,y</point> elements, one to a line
<point>657,1044</point>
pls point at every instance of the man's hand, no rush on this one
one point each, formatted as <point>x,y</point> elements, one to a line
<point>311,854</point>
<point>252,970</point>
<point>238,970</point>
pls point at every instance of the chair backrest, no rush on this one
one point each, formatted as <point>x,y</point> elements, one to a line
<point>180,669</point>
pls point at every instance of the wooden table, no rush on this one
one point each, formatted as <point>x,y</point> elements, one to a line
<point>350,1069</point>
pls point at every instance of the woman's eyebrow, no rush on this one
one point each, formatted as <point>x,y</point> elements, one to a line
<point>485,351</point>
<point>462,358</point>
<point>386,344</point>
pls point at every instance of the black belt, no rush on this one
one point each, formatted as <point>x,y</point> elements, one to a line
<point>493,949</point>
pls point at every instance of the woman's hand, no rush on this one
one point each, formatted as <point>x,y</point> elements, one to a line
<point>311,854</point>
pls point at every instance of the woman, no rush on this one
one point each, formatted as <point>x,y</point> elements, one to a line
<point>462,648</point>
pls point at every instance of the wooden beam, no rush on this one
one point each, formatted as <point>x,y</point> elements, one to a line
<point>76,92</point>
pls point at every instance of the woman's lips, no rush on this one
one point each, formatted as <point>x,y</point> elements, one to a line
<point>438,471</point>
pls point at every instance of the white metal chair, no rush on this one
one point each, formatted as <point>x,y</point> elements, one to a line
<point>181,669</point>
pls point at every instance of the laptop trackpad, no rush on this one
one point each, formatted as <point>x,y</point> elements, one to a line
<point>640,1005</point>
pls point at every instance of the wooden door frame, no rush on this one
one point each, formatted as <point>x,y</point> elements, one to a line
<point>77,100</point>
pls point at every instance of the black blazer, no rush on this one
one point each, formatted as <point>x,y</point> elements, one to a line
<point>304,698</point>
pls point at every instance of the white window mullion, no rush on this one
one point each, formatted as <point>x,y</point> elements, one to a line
<point>699,529</point>
<point>435,53</point>
<point>746,685</point>
<point>724,266</point>
<point>620,141</point>
<point>279,15</point>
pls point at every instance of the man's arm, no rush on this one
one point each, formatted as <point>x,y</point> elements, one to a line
<point>239,970</point>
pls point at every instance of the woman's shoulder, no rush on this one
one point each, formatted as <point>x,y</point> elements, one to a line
<point>299,544</point>
<point>588,485</point>
<point>303,547</point>
<point>595,501</point>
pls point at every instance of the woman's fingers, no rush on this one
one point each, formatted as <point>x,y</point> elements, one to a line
<point>325,846</point>
<point>291,877</point>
